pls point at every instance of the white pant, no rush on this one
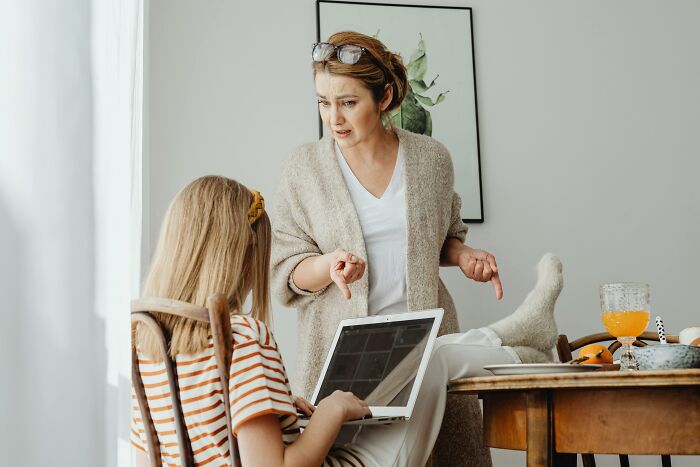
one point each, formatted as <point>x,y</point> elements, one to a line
<point>410,442</point>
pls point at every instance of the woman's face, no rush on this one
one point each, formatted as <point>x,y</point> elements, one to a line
<point>348,109</point>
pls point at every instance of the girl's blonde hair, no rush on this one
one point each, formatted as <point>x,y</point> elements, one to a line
<point>207,245</point>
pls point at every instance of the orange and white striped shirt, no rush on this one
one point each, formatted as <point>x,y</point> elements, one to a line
<point>258,385</point>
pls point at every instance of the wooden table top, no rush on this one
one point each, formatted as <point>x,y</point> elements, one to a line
<point>593,379</point>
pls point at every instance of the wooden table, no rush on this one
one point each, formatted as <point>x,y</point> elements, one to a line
<point>603,412</point>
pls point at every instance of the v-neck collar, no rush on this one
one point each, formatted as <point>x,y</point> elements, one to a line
<point>346,215</point>
<point>398,165</point>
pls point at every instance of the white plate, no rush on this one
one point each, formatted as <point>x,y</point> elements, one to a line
<point>539,368</point>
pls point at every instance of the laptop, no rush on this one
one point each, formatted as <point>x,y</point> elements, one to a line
<point>382,360</point>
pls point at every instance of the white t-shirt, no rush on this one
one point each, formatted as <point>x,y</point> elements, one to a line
<point>383,222</point>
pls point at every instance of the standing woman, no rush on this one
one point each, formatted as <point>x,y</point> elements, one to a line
<point>365,218</point>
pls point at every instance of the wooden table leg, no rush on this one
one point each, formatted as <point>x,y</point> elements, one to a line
<point>540,433</point>
<point>539,430</point>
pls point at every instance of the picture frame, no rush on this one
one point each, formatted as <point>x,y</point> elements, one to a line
<point>437,46</point>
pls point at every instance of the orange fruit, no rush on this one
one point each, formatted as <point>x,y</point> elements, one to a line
<point>596,353</point>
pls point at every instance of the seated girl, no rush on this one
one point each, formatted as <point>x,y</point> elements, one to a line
<point>216,238</point>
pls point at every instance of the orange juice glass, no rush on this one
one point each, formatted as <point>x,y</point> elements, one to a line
<point>625,314</point>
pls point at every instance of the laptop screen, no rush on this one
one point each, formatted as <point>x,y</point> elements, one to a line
<point>377,362</point>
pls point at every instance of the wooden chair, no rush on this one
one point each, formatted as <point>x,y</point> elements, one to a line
<point>565,351</point>
<point>216,314</point>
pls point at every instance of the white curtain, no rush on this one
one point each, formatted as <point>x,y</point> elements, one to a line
<point>117,32</point>
<point>70,164</point>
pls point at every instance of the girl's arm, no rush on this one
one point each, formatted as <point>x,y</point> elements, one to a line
<point>260,439</point>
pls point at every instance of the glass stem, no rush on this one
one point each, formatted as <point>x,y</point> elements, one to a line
<point>627,360</point>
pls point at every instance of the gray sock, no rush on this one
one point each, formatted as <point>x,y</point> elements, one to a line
<point>532,324</point>
<point>530,355</point>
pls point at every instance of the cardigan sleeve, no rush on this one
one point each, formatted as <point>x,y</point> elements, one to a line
<point>291,242</point>
<point>457,228</point>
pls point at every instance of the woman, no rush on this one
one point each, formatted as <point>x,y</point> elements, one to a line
<point>216,237</point>
<point>370,198</point>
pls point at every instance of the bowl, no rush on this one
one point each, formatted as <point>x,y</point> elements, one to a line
<point>667,357</point>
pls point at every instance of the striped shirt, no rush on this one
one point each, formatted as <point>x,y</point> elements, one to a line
<point>258,385</point>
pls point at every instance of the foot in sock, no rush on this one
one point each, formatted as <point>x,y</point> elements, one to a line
<point>530,355</point>
<point>532,324</point>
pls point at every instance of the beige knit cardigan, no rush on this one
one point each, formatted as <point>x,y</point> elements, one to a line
<point>314,215</point>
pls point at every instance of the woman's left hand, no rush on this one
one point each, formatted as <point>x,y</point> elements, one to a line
<point>480,265</point>
<point>303,406</point>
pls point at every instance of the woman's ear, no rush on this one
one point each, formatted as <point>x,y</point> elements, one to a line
<point>388,96</point>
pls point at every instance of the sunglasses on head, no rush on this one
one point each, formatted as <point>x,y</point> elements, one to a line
<point>348,54</point>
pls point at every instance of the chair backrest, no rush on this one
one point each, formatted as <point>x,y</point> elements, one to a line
<point>565,349</point>
<point>216,314</point>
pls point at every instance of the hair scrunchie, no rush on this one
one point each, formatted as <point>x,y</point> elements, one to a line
<point>257,206</point>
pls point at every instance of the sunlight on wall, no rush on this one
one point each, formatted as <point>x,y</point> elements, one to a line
<point>56,382</point>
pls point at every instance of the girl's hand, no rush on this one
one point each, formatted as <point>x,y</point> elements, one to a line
<point>345,268</point>
<point>347,404</point>
<point>302,405</point>
<point>480,265</point>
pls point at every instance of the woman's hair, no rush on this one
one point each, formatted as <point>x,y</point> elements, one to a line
<point>377,67</point>
<point>207,245</point>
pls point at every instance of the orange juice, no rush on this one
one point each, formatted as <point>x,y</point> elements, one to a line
<point>626,323</point>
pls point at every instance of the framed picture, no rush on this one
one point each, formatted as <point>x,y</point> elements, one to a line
<point>436,44</point>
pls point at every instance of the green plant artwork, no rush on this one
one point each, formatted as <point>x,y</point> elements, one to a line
<point>413,114</point>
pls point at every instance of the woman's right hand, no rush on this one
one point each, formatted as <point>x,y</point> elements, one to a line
<point>344,269</point>
<point>347,404</point>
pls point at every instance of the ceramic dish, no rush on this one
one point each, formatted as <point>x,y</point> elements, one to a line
<point>667,357</point>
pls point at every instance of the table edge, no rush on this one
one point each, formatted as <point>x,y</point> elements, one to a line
<point>595,379</point>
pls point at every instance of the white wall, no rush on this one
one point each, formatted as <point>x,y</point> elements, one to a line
<point>587,112</point>
<point>53,393</point>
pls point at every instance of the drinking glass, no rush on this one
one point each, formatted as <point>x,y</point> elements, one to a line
<point>625,314</point>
